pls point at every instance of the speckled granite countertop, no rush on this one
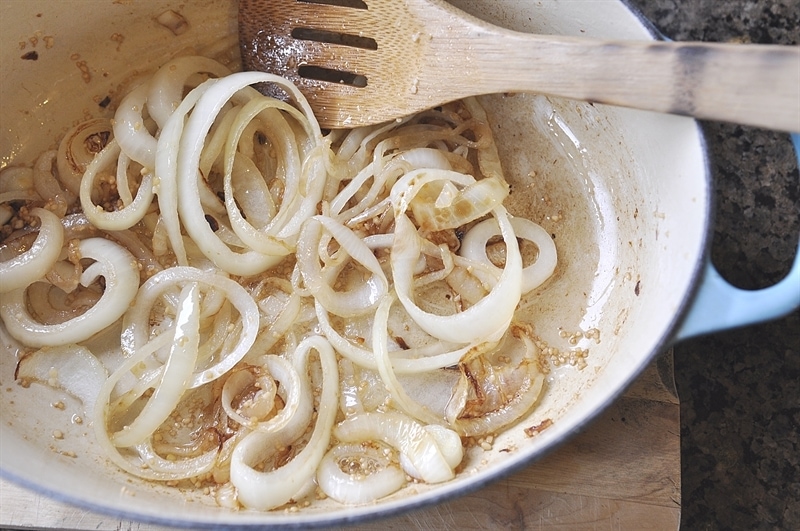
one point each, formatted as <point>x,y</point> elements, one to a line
<point>740,390</point>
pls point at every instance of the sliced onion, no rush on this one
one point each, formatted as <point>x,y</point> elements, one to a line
<point>32,265</point>
<point>78,148</point>
<point>290,171</point>
<point>415,360</point>
<point>380,341</point>
<point>121,274</point>
<point>137,321</point>
<point>261,403</point>
<point>267,490</point>
<point>520,399</point>
<point>374,475</point>
<point>127,216</point>
<point>254,238</point>
<point>169,470</point>
<point>419,446</point>
<point>346,304</point>
<point>51,304</point>
<point>277,322</point>
<point>489,318</point>
<point>123,186</point>
<point>167,84</point>
<point>46,184</point>
<point>18,178</point>
<point>130,130</point>
<point>143,461</point>
<point>166,166</point>
<point>473,246</point>
<point>453,208</point>
<point>191,145</point>
<point>71,368</point>
<point>176,375</point>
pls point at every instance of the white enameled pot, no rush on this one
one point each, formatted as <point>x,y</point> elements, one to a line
<point>626,194</point>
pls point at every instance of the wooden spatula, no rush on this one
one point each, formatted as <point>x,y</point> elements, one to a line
<point>361,62</point>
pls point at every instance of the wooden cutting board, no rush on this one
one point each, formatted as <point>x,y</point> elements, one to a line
<point>623,472</point>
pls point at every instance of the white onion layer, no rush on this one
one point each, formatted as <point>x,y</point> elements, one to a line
<point>267,490</point>
<point>28,267</point>
<point>352,303</point>
<point>361,486</point>
<point>487,319</point>
<point>419,446</point>
<point>71,368</point>
<point>191,145</point>
<point>176,375</point>
<point>125,217</point>
<point>121,274</point>
<point>137,320</point>
<point>473,246</point>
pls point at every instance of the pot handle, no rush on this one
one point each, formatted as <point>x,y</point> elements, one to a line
<point>720,306</point>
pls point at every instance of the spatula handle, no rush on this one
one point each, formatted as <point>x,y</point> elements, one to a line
<point>755,85</point>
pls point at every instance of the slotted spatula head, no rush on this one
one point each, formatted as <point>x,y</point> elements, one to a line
<point>345,56</point>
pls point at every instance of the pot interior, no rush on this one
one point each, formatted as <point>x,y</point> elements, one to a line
<point>624,193</point>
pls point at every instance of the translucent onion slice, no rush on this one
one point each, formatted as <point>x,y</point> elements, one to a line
<point>121,274</point>
<point>6,213</point>
<point>295,390</point>
<point>19,178</point>
<point>252,194</point>
<point>142,381</point>
<point>176,375</point>
<point>254,238</point>
<point>290,171</point>
<point>143,462</point>
<point>398,164</point>
<point>166,186</point>
<point>267,490</point>
<point>18,195</point>
<point>45,183</point>
<point>174,470</point>
<point>276,321</point>
<point>452,208</point>
<point>32,265</point>
<point>357,301</point>
<point>137,320</point>
<point>123,186</point>
<point>77,149</point>
<point>71,368</point>
<point>520,399</point>
<point>380,341</point>
<point>125,217</point>
<point>167,84</point>
<point>129,128</point>
<point>488,157</point>
<point>261,403</point>
<point>132,242</point>
<point>473,246</point>
<point>52,305</point>
<point>420,446</point>
<point>191,145</point>
<point>415,360</point>
<point>488,319</point>
<point>371,474</point>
